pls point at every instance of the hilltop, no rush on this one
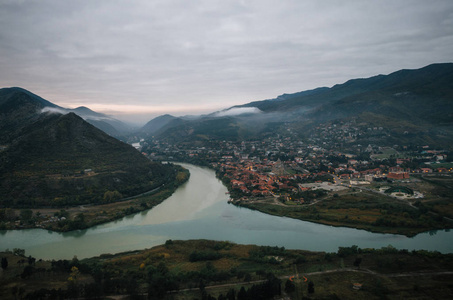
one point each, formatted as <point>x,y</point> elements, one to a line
<point>53,159</point>
<point>413,105</point>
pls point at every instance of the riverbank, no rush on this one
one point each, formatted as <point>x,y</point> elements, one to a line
<point>199,210</point>
<point>198,268</point>
<point>355,208</point>
<point>358,208</point>
<point>86,216</point>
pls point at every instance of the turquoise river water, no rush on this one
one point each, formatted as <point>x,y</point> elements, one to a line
<point>199,210</point>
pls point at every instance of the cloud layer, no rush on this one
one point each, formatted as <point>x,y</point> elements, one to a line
<point>209,53</point>
<point>54,110</point>
<point>236,111</point>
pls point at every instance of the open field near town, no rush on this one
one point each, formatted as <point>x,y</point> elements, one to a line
<point>365,208</point>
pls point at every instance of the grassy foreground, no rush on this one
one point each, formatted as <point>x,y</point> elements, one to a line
<point>201,269</point>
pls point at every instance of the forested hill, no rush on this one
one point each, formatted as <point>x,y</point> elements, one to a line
<point>414,106</point>
<point>18,107</point>
<point>51,159</point>
<point>432,81</point>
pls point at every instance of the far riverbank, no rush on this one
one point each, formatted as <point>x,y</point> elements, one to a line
<point>86,216</point>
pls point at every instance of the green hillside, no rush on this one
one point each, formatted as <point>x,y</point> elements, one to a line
<point>412,105</point>
<point>49,159</point>
<point>433,81</point>
<point>18,108</point>
<point>158,123</point>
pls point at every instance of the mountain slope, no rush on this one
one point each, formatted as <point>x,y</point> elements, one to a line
<point>202,129</point>
<point>104,122</point>
<point>18,107</point>
<point>434,81</point>
<point>56,160</point>
<point>415,106</point>
<point>157,123</point>
<point>6,94</point>
<point>17,103</point>
<point>419,102</point>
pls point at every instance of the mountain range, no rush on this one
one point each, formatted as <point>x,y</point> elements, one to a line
<point>22,97</point>
<point>417,101</point>
<point>52,157</point>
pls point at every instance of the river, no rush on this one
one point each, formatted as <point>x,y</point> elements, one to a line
<point>199,210</point>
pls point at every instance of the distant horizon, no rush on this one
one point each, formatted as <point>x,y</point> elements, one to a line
<point>141,116</point>
<point>147,58</point>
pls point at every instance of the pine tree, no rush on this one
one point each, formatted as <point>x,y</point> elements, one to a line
<point>4,263</point>
<point>290,287</point>
<point>311,287</point>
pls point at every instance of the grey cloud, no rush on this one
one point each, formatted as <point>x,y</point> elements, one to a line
<point>211,52</point>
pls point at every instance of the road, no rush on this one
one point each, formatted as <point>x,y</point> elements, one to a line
<point>306,275</point>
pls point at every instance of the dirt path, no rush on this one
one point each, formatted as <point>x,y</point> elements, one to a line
<point>297,275</point>
<point>305,275</point>
<point>408,274</point>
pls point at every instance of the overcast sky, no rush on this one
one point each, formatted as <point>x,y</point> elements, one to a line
<point>191,57</point>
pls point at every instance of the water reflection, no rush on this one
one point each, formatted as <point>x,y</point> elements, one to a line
<point>75,233</point>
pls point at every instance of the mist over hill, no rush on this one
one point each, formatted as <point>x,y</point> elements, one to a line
<point>54,150</point>
<point>15,102</point>
<point>53,159</point>
<point>414,105</point>
<point>157,124</point>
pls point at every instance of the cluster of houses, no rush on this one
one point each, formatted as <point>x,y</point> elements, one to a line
<point>260,167</point>
<point>266,177</point>
<point>252,179</point>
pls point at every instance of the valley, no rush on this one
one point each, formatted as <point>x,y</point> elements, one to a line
<point>367,137</point>
<point>366,162</point>
<point>362,137</point>
<point>286,177</point>
<point>226,150</point>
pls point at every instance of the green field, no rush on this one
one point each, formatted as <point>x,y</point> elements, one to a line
<point>386,153</point>
<point>370,211</point>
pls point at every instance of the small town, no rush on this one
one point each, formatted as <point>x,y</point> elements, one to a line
<point>285,166</point>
